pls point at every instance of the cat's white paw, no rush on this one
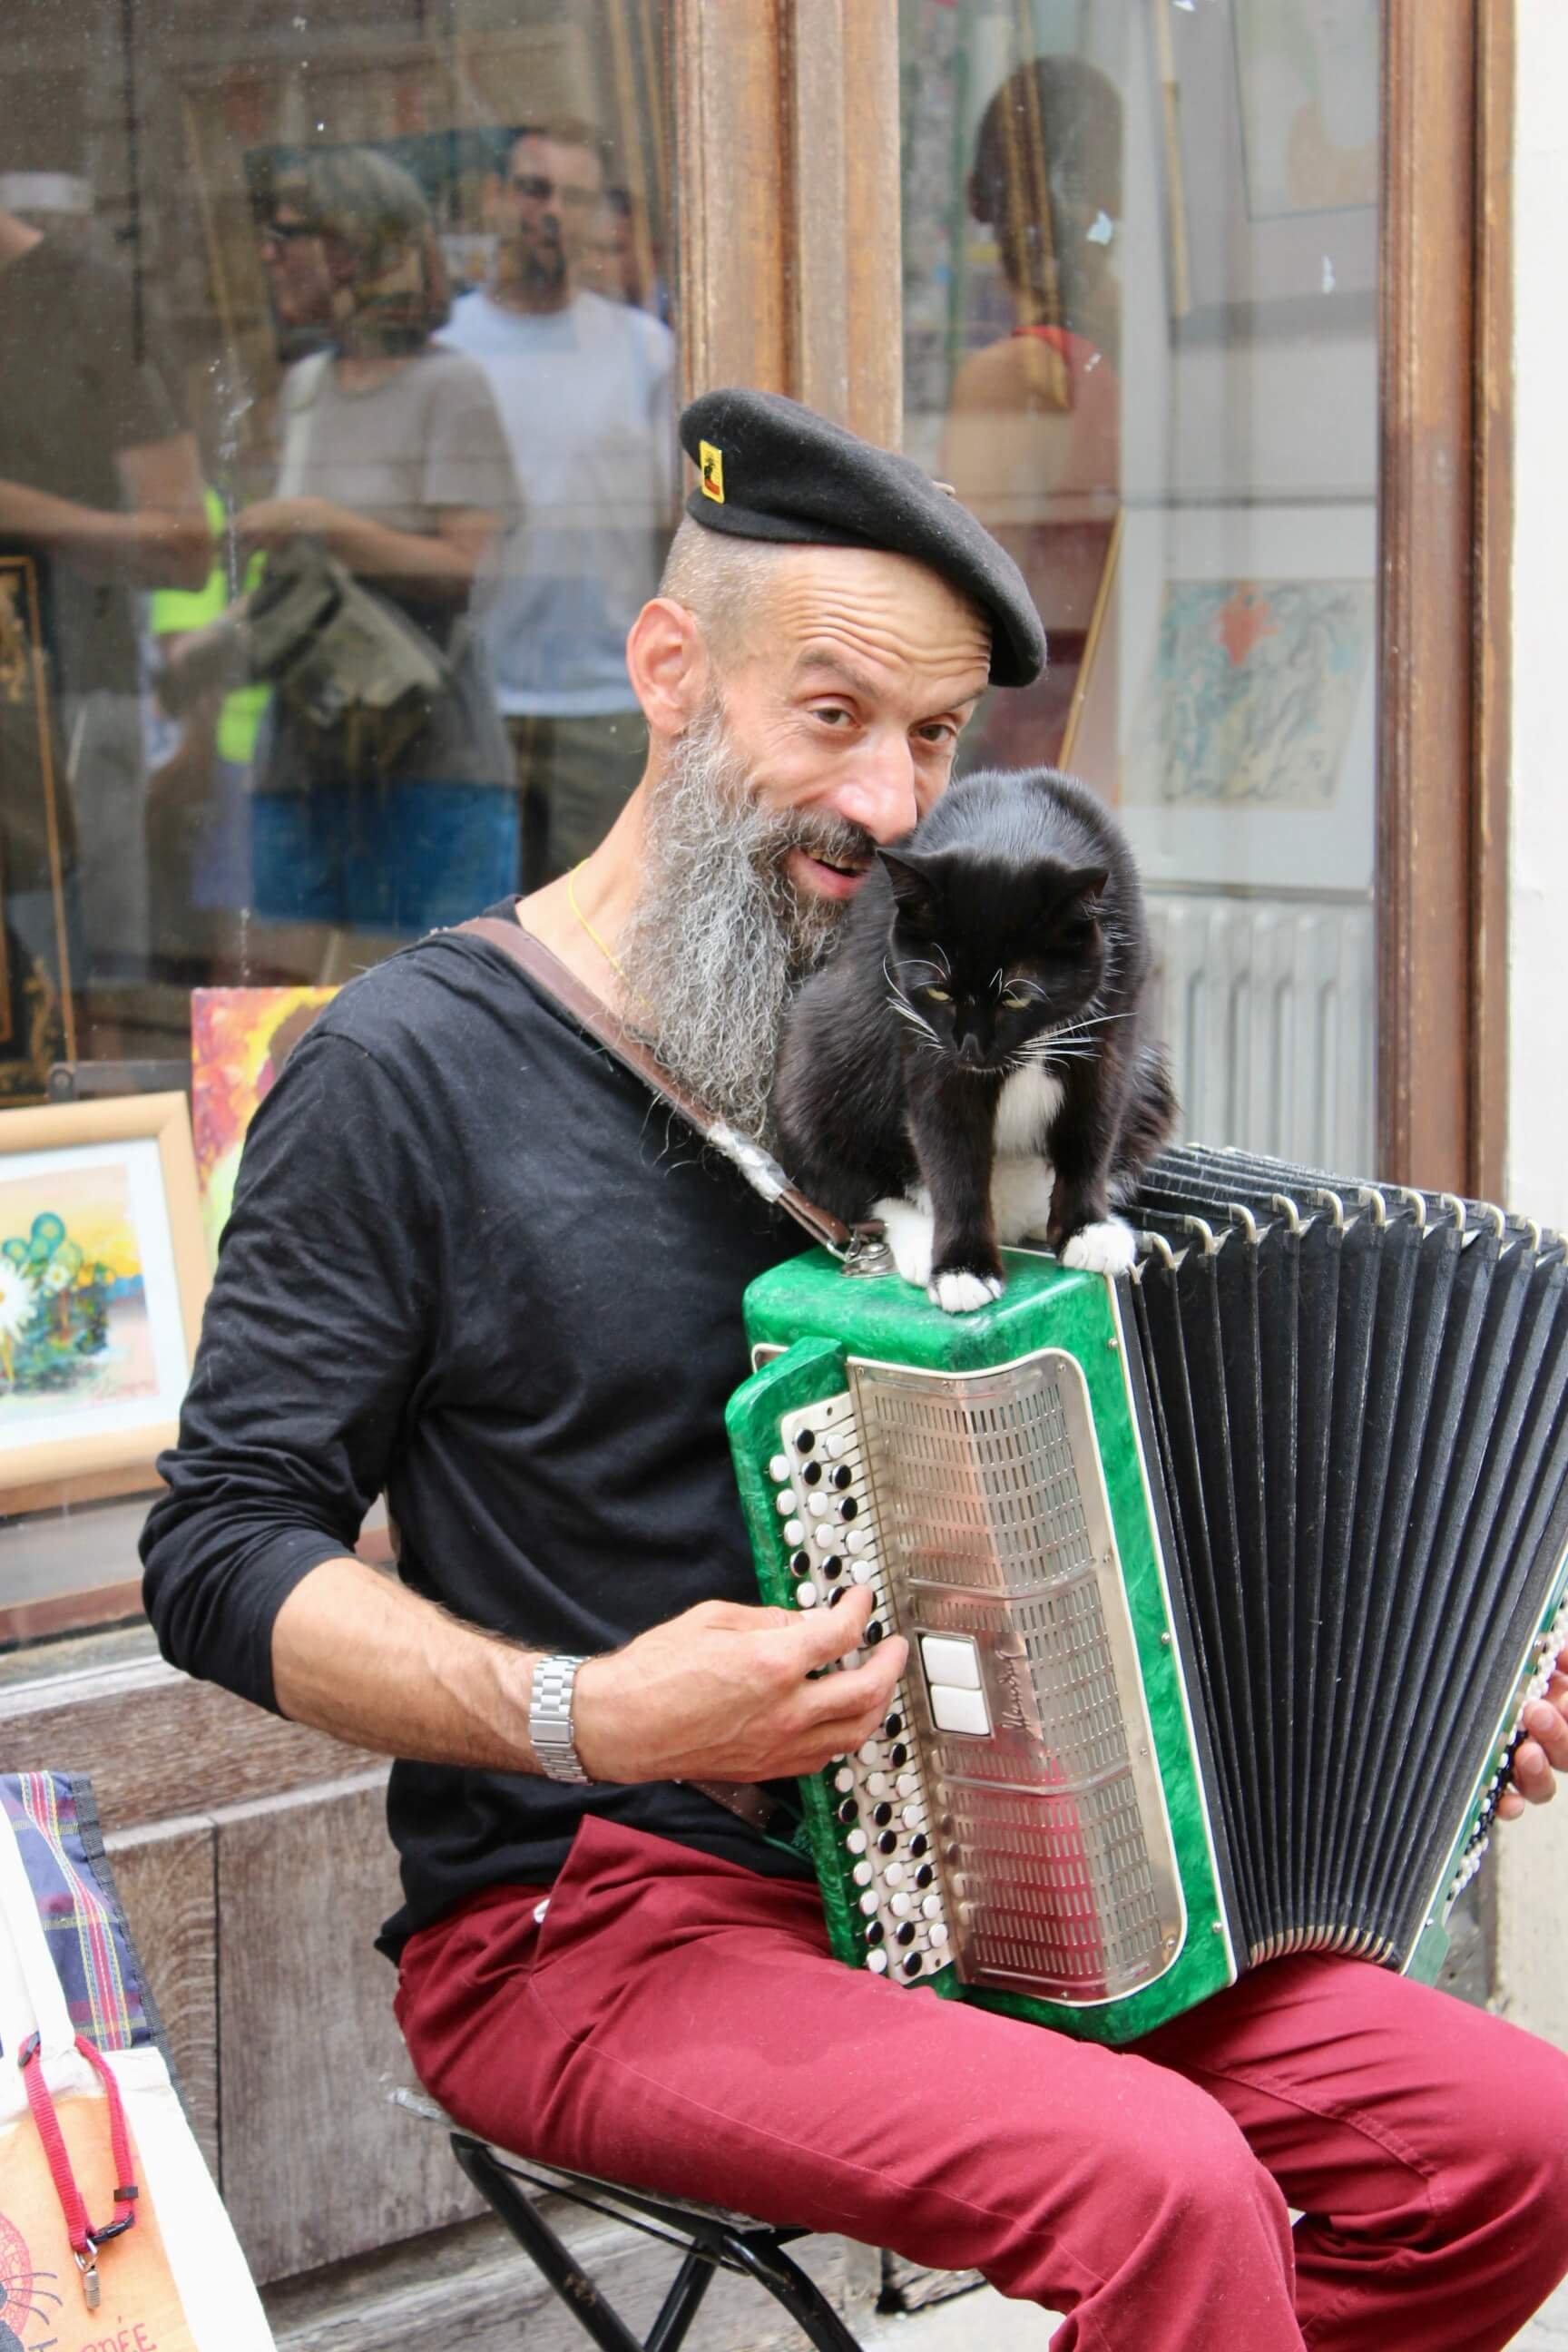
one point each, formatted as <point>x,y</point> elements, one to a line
<point>1107,1248</point>
<point>961,1294</point>
<point>909,1227</point>
<point>1021,1191</point>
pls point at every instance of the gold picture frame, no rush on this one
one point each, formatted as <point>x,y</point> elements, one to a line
<point>103,1277</point>
<point>38,1020</point>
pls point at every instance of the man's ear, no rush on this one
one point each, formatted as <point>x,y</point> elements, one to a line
<point>912,887</point>
<point>669,665</point>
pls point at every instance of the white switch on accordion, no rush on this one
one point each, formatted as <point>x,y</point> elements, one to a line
<point>952,1666</point>
<point>959,1710</point>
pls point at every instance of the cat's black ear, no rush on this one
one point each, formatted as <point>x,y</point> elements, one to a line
<point>1087,887</point>
<point>912,887</point>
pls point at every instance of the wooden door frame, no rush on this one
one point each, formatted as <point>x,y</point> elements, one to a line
<point>1445,616</point>
<point>791,279</point>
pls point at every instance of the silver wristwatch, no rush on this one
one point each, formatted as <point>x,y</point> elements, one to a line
<point>550,1718</point>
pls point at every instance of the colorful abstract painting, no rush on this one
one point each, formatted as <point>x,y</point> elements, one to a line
<point>74,1328</point>
<point>240,1039</point>
<point>1251,695</point>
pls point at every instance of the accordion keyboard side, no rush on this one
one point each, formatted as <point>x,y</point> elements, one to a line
<point>1066,1868</point>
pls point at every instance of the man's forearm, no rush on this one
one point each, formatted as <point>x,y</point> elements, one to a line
<point>357,1655</point>
<point>147,548</point>
<point>723,1692</point>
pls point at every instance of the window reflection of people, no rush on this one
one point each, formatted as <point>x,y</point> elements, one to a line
<point>393,458</point>
<point>100,488</point>
<point>584,387</point>
<point>1033,435</point>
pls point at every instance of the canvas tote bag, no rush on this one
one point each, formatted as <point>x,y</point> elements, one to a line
<point>91,2129</point>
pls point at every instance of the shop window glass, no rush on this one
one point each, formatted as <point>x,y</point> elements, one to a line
<point>1139,339</point>
<point>337,450</point>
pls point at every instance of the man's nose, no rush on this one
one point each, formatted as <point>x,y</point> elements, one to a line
<point>881,793</point>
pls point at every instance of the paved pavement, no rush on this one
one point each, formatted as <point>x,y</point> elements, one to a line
<point>986,2321</point>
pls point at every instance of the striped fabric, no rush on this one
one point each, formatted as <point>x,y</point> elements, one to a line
<point>56,1825</point>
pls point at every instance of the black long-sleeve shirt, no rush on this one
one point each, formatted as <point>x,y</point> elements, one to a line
<point>471,1261</point>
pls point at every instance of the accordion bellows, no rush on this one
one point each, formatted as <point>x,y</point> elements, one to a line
<point>1225,1584</point>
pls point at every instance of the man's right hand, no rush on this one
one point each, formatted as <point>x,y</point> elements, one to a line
<point>726,1693</point>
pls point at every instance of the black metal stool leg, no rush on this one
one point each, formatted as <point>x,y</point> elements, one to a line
<point>680,2305</point>
<point>788,2285</point>
<point>537,2240</point>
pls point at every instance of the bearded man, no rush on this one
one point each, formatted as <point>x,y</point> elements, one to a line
<point>470,1263</point>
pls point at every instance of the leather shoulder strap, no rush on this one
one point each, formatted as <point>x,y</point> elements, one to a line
<point>761,1171</point>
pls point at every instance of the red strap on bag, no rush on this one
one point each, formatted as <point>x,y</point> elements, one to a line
<point>85,2240</point>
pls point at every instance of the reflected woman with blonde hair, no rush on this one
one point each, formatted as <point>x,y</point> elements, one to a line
<point>393,459</point>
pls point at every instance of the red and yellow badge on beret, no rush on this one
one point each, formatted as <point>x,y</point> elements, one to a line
<point>712,461</point>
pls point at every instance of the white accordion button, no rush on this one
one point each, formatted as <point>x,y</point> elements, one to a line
<point>795,1531</point>
<point>806,1596</point>
<point>786,1501</point>
<point>877,1963</point>
<point>870,1903</point>
<point>938,1934</point>
<point>959,1710</point>
<point>952,1660</point>
<point>844,1781</point>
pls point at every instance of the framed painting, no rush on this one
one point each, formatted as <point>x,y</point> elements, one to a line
<point>1230,706</point>
<point>103,1281</point>
<point>240,1039</point>
<point>37,1013</point>
<point>1272,111</point>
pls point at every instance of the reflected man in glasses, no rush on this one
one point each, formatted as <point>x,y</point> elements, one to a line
<point>584,388</point>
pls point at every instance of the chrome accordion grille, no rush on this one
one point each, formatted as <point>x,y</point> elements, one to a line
<point>994,1525</point>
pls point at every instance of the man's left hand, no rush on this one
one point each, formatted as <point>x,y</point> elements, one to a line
<point>1542,1753</point>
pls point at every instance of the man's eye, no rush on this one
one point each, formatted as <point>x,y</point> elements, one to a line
<point>939,996</point>
<point>938,735</point>
<point>831,712</point>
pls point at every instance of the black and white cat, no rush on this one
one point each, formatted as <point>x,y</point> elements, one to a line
<point>971,1064</point>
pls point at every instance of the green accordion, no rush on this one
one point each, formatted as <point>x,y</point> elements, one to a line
<point>1178,1557</point>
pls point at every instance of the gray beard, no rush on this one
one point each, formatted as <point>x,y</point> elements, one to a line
<point>719,935</point>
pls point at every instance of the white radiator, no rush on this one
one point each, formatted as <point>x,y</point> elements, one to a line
<point>1268,1010</point>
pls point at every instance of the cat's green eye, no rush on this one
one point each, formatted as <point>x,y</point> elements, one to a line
<point>939,996</point>
<point>1014,1001</point>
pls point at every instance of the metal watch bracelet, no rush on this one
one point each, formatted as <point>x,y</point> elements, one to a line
<point>550,1718</point>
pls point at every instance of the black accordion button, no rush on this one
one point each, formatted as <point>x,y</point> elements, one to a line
<point>805,1441</point>
<point>848,1509</point>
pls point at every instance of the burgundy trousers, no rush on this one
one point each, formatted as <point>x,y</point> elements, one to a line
<point>677,2023</point>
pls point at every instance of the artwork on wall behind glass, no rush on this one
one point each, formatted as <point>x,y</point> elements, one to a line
<point>101,1285</point>
<point>1272,125</point>
<point>36,1017</point>
<point>240,1039</point>
<point>1236,724</point>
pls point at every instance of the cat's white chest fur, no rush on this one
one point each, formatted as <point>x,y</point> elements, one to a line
<point>1028,1102</point>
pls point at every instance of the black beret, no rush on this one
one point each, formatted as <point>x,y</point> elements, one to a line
<point>773,470</point>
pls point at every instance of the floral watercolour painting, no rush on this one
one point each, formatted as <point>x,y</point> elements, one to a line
<point>101,1283</point>
<point>240,1039</point>
<point>1236,729</point>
